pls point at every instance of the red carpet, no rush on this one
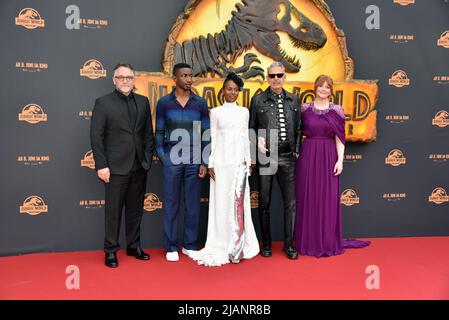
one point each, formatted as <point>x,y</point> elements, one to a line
<point>410,268</point>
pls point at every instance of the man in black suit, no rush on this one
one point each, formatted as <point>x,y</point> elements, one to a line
<point>122,143</point>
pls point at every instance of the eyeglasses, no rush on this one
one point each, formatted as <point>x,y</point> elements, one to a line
<point>122,78</point>
<point>276,75</point>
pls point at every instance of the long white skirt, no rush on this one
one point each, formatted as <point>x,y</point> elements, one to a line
<point>230,231</point>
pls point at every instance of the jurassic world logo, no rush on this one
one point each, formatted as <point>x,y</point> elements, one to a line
<point>441,119</point>
<point>88,160</point>
<point>439,196</point>
<point>33,113</point>
<point>33,205</point>
<point>30,18</point>
<point>349,198</point>
<point>399,79</point>
<point>152,202</point>
<point>245,36</point>
<point>443,41</point>
<point>93,69</point>
<point>395,158</point>
<point>404,2</point>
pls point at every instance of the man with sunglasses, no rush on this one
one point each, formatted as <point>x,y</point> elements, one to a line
<point>275,116</point>
<point>122,143</point>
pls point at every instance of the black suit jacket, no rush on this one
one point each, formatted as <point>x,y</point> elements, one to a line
<point>114,143</point>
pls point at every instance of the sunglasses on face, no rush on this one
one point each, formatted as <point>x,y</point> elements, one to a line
<point>276,75</point>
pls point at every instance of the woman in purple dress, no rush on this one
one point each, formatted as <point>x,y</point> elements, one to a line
<point>318,210</point>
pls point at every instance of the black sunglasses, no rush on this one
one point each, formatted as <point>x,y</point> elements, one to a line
<point>274,75</point>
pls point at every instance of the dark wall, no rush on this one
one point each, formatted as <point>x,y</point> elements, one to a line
<point>394,200</point>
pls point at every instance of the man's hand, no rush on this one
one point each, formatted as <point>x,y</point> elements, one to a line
<point>296,155</point>
<point>262,145</point>
<point>203,171</point>
<point>104,174</point>
<point>212,173</point>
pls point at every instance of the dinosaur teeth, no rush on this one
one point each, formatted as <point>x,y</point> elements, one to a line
<point>291,59</point>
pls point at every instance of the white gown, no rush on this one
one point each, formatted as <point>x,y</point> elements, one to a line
<point>230,231</point>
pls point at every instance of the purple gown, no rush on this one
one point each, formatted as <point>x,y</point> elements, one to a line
<point>318,210</point>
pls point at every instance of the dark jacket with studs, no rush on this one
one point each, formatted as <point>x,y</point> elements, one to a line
<point>263,116</point>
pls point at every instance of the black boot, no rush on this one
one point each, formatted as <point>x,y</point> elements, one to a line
<point>265,250</point>
<point>111,260</point>
<point>290,251</point>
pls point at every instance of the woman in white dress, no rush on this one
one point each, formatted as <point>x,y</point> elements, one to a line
<point>230,231</point>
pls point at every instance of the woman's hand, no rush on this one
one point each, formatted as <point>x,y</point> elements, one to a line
<point>212,173</point>
<point>338,168</point>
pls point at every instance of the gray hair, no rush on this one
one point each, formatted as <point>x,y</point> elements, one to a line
<point>274,65</point>
<point>124,65</point>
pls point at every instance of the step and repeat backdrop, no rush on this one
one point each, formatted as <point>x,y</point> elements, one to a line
<point>390,59</point>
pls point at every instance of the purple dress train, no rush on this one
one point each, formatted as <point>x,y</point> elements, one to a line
<point>318,210</point>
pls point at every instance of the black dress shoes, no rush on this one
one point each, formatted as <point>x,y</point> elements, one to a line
<point>138,254</point>
<point>265,251</point>
<point>111,260</point>
<point>291,252</point>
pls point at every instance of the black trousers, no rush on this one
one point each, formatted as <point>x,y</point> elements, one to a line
<point>129,191</point>
<point>286,179</point>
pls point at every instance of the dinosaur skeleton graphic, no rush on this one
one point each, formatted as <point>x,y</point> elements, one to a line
<point>253,24</point>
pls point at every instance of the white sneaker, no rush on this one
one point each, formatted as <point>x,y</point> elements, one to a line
<point>189,253</point>
<point>172,256</point>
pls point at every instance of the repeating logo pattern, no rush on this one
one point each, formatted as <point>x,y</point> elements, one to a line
<point>88,160</point>
<point>33,113</point>
<point>33,205</point>
<point>93,69</point>
<point>399,76</point>
<point>349,198</point>
<point>152,202</point>
<point>30,18</point>
<point>395,158</point>
<point>399,79</point>
<point>439,196</point>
